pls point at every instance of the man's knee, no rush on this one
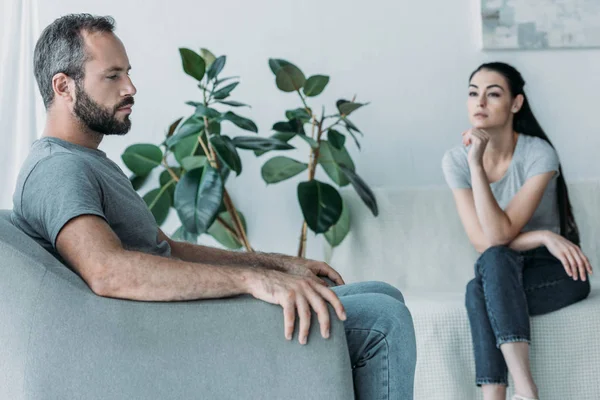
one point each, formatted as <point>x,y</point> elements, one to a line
<point>383,288</point>
<point>391,315</point>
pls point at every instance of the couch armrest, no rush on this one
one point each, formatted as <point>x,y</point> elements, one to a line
<point>80,345</point>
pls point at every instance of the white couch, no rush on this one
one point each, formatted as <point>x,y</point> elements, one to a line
<point>418,244</point>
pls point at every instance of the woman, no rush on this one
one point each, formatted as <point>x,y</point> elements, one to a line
<point>514,206</point>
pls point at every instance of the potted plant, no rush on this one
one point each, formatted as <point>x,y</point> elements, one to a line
<point>197,157</point>
<point>322,206</point>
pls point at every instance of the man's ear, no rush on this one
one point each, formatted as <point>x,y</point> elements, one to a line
<point>517,103</point>
<point>64,87</point>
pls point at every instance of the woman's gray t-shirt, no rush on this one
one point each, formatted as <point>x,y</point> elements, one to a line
<point>61,180</point>
<point>532,156</point>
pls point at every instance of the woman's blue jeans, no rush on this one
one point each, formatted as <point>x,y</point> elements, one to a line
<point>509,286</point>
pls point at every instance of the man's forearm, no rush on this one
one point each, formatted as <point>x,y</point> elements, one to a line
<point>210,255</point>
<point>145,277</point>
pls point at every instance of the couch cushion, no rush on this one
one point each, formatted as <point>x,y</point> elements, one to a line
<point>564,355</point>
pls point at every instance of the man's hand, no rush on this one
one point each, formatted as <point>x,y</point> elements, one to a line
<point>309,268</point>
<point>296,293</point>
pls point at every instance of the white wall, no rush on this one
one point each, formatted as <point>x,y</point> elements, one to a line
<point>410,59</point>
<point>21,108</point>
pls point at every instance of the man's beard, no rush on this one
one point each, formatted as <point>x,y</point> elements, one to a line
<point>98,118</point>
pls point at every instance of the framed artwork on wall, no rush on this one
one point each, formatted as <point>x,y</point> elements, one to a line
<point>540,24</point>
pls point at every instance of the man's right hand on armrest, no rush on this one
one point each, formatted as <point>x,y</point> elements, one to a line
<point>93,250</point>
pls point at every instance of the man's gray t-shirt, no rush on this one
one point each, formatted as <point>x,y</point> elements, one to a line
<point>61,180</point>
<point>532,156</point>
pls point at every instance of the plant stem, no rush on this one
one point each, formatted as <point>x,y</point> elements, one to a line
<point>160,193</point>
<point>207,152</point>
<point>332,125</point>
<point>304,102</point>
<point>240,233</point>
<point>312,168</point>
<point>236,220</point>
<point>166,165</point>
<point>229,228</point>
<point>314,124</point>
<point>302,247</point>
<point>210,149</point>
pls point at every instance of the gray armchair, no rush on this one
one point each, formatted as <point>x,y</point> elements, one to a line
<point>58,340</point>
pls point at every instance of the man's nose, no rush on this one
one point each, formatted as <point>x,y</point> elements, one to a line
<point>129,89</point>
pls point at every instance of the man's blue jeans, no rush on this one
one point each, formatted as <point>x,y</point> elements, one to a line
<point>381,340</point>
<point>509,286</point>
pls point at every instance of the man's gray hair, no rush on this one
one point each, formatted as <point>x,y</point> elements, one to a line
<point>61,48</point>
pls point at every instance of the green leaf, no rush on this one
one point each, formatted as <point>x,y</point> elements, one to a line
<point>232,103</point>
<point>241,122</point>
<point>214,127</point>
<point>311,142</point>
<point>138,181</point>
<point>187,147</point>
<point>219,81</point>
<point>336,234</point>
<point>258,143</point>
<point>181,235</point>
<point>165,176</point>
<point>276,64</point>
<point>224,93</point>
<point>208,57</point>
<point>193,63</point>
<point>192,162</point>
<point>280,168</point>
<point>315,85</point>
<point>346,107</point>
<point>159,203</point>
<point>166,179</point>
<point>330,158</point>
<point>225,149</point>
<point>364,192</point>
<point>190,126</point>
<point>336,139</point>
<point>225,171</point>
<point>290,78</point>
<point>172,127</point>
<point>203,111</point>
<point>216,67</point>
<point>283,136</point>
<point>321,205</point>
<point>351,126</point>
<point>351,132</point>
<point>293,125</point>
<point>299,113</point>
<point>198,196</point>
<point>222,235</point>
<point>141,159</point>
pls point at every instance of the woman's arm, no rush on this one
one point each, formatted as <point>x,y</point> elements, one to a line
<point>465,204</point>
<point>502,227</point>
<point>576,263</point>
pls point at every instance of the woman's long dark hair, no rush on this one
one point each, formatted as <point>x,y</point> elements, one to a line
<point>525,122</point>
